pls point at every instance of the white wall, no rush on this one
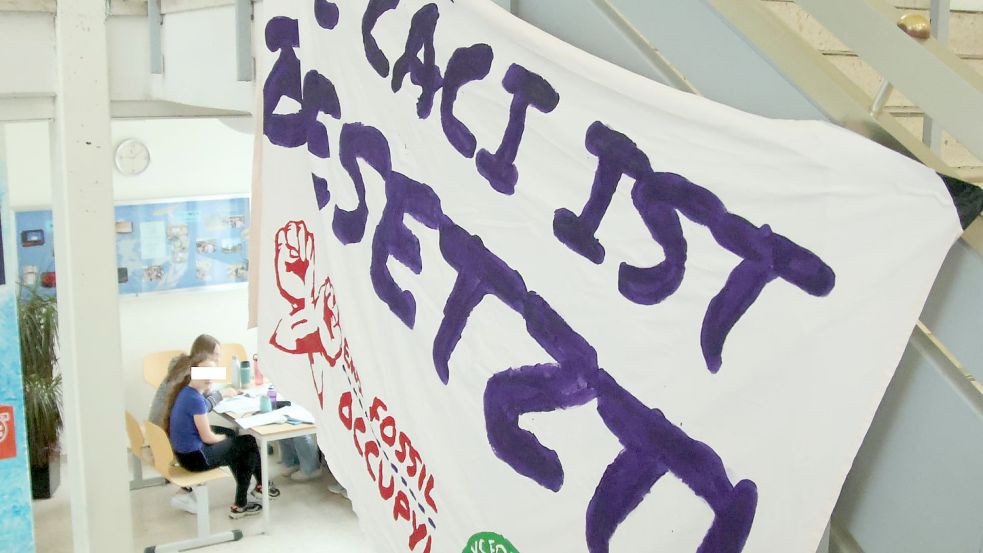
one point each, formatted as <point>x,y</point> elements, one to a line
<point>129,57</point>
<point>189,157</point>
<point>29,164</point>
<point>200,60</point>
<point>27,41</point>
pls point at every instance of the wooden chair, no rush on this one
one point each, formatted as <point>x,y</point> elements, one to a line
<point>137,444</point>
<point>228,350</point>
<point>155,366</point>
<point>165,463</point>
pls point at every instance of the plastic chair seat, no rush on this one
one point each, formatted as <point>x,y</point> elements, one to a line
<point>187,479</point>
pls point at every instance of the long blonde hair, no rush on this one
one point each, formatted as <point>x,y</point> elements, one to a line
<point>185,380</point>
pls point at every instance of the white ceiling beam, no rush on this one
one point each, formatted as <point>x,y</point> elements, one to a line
<point>128,7</point>
<point>153,109</point>
<point>44,6</point>
<point>175,6</point>
<point>37,108</point>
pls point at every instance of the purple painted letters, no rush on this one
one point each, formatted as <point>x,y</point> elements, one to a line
<point>326,14</point>
<point>527,89</point>
<point>652,445</point>
<point>373,53</point>
<point>659,198</point>
<point>424,73</point>
<point>466,65</point>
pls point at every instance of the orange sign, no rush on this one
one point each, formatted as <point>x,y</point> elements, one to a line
<point>8,438</point>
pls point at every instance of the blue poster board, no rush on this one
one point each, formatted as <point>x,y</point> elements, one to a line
<point>16,520</point>
<point>159,246</point>
<point>3,265</point>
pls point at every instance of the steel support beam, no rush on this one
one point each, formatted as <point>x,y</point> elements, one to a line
<point>939,16</point>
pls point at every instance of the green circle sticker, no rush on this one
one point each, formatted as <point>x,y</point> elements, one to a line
<point>489,542</point>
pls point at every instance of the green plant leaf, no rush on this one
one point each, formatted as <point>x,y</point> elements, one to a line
<point>37,317</point>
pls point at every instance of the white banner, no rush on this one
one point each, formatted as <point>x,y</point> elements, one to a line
<point>537,303</point>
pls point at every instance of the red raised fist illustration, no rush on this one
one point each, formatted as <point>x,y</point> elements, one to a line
<point>312,326</point>
<point>295,263</point>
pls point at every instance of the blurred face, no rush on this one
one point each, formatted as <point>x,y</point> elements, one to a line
<point>201,385</point>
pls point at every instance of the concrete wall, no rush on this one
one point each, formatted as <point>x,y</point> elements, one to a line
<point>916,484</point>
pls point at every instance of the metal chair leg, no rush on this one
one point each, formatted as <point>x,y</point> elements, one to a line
<point>138,482</point>
<point>204,528</point>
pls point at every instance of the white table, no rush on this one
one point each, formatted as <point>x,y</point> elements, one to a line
<point>264,435</point>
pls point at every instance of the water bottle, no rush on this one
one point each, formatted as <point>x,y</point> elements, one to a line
<point>245,374</point>
<point>234,375</point>
<point>257,376</point>
<point>272,394</point>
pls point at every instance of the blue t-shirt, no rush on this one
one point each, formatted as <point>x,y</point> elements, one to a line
<point>184,433</point>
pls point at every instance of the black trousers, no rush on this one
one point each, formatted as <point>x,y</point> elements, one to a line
<point>239,453</point>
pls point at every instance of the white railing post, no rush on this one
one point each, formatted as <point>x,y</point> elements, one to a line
<point>939,17</point>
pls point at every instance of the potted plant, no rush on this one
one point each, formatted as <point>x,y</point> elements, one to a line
<point>37,317</point>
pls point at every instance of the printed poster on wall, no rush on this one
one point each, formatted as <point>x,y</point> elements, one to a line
<point>538,303</point>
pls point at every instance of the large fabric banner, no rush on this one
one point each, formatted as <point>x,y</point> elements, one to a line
<point>541,304</point>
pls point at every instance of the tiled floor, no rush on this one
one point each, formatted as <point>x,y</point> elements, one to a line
<point>306,518</point>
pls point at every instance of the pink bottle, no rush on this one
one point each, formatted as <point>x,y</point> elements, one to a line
<point>257,376</point>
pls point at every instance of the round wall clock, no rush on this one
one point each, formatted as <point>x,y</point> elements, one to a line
<point>132,157</point>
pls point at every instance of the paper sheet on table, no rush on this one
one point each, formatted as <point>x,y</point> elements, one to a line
<point>294,412</point>
<point>259,419</point>
<point>238,404</point>
<point>297,413</point>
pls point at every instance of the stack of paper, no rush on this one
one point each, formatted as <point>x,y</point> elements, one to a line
<point>259,419</point>
<point>238,404</point>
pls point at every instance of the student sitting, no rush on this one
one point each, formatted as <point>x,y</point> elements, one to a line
<point>203,345</point>
<point>198,448</point>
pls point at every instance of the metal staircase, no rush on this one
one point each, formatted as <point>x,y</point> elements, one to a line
<point>964,38</point>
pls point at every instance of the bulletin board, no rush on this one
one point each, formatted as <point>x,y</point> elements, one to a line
<point>161,246</point>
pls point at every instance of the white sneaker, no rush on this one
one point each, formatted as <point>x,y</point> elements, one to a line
<point>338,489</point>
<point>185,502</point>
<point>289,471</point>
<point>300,476</point>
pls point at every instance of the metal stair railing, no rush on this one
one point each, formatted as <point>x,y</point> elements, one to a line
<point>931,75</point>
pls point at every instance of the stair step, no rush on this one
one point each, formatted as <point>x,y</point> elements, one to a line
<point>954,153</point>
<point>965,29</point>
<point>965,39</point>
<point>869,80</point>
